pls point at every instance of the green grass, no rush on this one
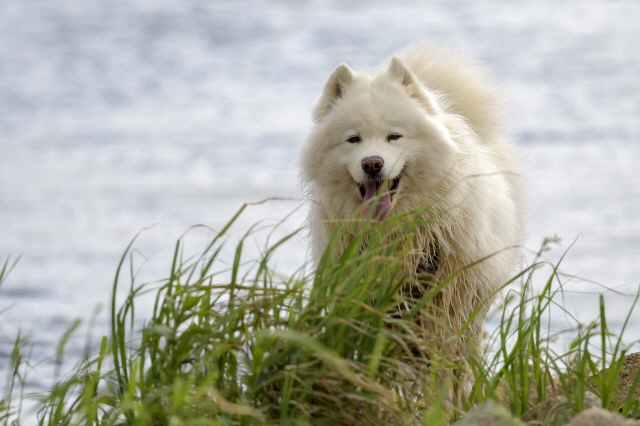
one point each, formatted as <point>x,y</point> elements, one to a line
<point>231,341</point>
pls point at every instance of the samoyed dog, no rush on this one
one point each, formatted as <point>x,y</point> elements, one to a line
<point>425,130</point>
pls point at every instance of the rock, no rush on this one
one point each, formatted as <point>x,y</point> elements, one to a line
<point>557,411</point>
<point>489,413</point>
<point>630,369</point>
<point>628,373</point>
<point>554,411</point>
<point>553,388</point>
<point>591,400</point>
<point>596,416</point>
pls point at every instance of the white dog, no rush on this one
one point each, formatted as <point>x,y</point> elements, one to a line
<point>426,130</point>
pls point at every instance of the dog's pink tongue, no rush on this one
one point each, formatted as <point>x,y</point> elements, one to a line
<point>383,206</point>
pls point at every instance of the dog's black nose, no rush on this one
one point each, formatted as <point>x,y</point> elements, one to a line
<point>372,165</point>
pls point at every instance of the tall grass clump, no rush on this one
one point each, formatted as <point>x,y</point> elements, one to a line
<point>230,341</point>
<point>234,342</point>
<point>11,398</point>
<point>524,365</point>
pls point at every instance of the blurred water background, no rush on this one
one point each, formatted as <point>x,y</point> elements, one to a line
<point>125,114</point>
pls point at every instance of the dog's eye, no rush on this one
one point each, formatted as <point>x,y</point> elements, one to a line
<point>354,139</point>
<point>393,137</point>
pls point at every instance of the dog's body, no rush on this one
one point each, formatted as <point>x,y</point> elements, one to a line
<point>425,131</point>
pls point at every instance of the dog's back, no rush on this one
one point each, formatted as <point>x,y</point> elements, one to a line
<point>464,85</point>
<point>465,88</point>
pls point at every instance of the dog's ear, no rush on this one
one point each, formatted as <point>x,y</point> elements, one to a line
<point>399,71</point>
<point>339,81</point>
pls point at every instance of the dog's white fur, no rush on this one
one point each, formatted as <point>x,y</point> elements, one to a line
<point>452,155</point>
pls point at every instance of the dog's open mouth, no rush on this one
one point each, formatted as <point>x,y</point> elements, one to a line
<point>382,204</point>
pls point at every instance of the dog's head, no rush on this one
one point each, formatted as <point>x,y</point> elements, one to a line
<point>378,143</point>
